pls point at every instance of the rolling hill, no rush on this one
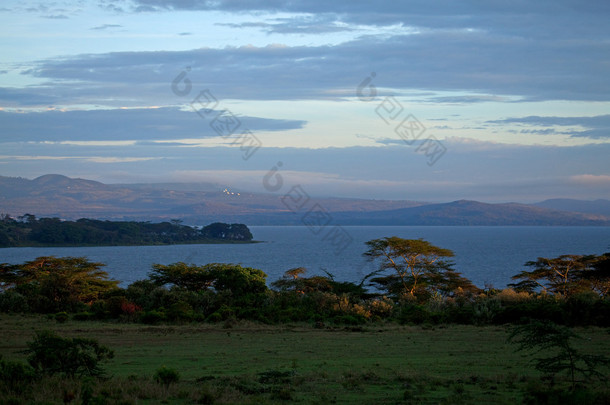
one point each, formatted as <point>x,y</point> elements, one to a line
<point>201,203</point>
<point>599,207</point>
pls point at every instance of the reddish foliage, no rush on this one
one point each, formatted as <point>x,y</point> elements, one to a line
<point>130,308</point>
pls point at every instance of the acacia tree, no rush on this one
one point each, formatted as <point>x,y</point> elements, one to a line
<point>58,283</point>
<point>566,275</point>
<point>187,276</point>
<point>294,282</point>
<point>562,356</point>
<point>237,279</point>
<point>416,266</point>
<point>220,276</point>
<point>599,274</point>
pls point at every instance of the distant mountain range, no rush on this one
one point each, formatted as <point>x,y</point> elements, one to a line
<point>202,203</point>
<point>598,207</point>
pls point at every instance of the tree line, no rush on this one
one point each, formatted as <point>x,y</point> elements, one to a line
<point>414,283</point>
<point>28,230</point>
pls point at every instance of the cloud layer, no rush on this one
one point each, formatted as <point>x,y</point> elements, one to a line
<point>518,93</point>
<point>140,124</point>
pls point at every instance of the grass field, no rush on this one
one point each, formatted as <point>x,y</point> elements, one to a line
<point>251,363</point>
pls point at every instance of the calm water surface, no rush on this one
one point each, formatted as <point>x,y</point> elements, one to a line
<point>482,254</point>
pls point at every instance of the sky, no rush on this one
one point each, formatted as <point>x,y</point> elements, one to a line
<point>495,101</point>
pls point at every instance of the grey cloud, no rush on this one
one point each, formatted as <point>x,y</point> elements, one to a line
<point>122,124</point>
<point>40,8</point>
<point>547,131</point>
<point>26,97</point>
<point>481,98</point>
<point>599,125</point>
<point>110,5</point>
<point>436,60</point>
<point>319,24</point>
<point>57,17</point>
<point>48,10</point>
<point>544,19</point>
<point>598,120</point>
<point>245,25</point>
<point>600,133</point>
<point>389,141</point>
<point>106,26</point>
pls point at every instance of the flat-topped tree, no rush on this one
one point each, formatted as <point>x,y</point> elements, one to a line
<point>188,276</point>
<point>219,276</point>
<point>415,266</point>
<point>61,283</point>
<point>599,277</point>
<point>566,275</point>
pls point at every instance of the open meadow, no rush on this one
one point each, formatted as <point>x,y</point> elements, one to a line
<point>242,362</point>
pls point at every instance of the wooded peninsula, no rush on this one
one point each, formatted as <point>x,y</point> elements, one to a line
<point>28,230</point>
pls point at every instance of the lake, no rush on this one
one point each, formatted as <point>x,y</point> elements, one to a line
<point>485,255</point>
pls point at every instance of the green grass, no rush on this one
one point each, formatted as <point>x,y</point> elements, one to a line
<point>251,363</point>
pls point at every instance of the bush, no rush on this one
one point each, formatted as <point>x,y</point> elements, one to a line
<point>51,354</point>
<point>463,314</point>
<point>84,316</point>
<point>510,296</point>
<point>485,310</point>
<point>541,308</point>
<point>214,318</point>
<point>61,317</point>
<point>15,376</point>
<point>140,292</point>
<point>416,314</point>
<point>166,376</point>
<point>226,312</point>
<point>152,317</point>
<point>381,307</point>
<point>537,395</point>
<point>12,301</point>
<point>349,320</point>
<point>581,308</point>
<point>180,311</point>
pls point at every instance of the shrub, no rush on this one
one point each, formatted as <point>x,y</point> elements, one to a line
<point>381,307</point>
<point>485,310</point>
<point>510,296</point>
<point>580,308</point>
<point>349,320</point>
<point>15,376</point>
<point>536,394</point>
<point>12,301</point>
<point>416,314</point>
<point>463,314</point>
<point>152,317</point>
<point>166,376</point>
<point>51,354</point>
<point>180,311</point>
<point>61,317</point>
<point>83,316</point>
<point>226,312</point>
<point>139,292</point>
<point>214,318</point>
<point>542,308</point>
